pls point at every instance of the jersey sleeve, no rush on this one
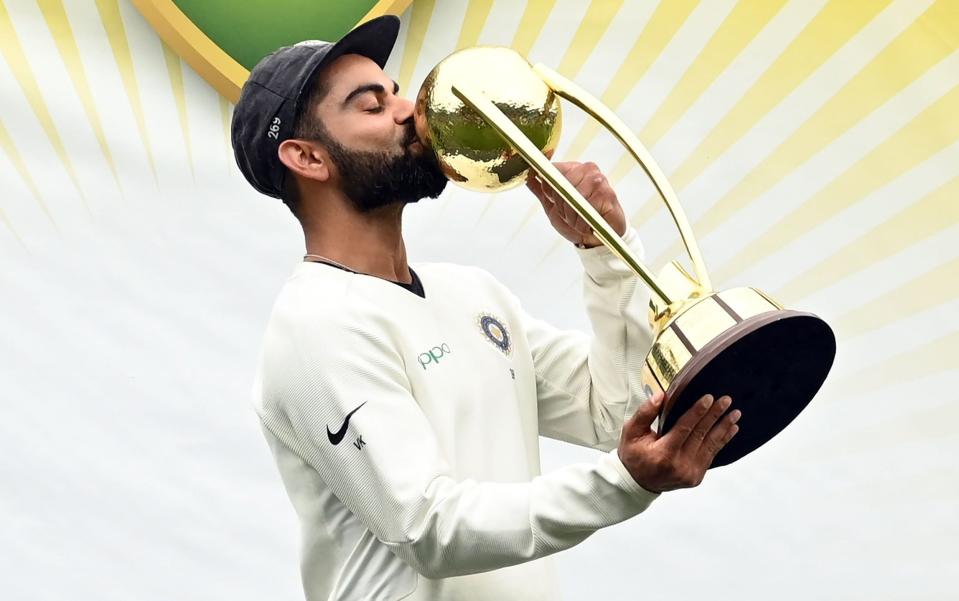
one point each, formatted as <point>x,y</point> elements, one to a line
<point>398,481</point>
<point>588,386</point>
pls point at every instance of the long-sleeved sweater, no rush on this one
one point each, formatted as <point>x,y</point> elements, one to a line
<point>405,427</point>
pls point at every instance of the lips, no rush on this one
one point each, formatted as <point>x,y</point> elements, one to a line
<point>413,144</point>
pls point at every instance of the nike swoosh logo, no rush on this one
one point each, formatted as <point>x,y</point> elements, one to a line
<point>335,438</point>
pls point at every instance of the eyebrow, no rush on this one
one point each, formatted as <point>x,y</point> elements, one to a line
<point>369,87</point>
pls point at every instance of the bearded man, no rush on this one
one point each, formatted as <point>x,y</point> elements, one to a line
<point>403,406</point>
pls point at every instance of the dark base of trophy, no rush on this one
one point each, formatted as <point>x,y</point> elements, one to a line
<point>771,365</point>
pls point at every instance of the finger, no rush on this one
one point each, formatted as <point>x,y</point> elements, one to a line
<point>587,184</point>
<point>721,434</point>
<point>541,187</point>
<point>565,167</point>
<point>681,430</point>
<point>535,184</point>
<point>587,188</point>
<point>574,221</point>
<point>575,172</point>
<point>590,185</point>
<point>581,226</point>
<point>531,182</point>
<point>547,206</point>
<point>699,432</point>
<point>642,420</point>
<point>550,209</point>
<point>564,210</point>
<point>595,188</point>
<point>569,170</point>
<point>590,182</point>
<point>605,195</point>
<point>551,194</point>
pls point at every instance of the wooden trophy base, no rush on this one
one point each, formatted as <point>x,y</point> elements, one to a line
<point>771,365</point>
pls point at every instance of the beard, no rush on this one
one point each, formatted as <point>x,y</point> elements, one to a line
<point>372,180</point>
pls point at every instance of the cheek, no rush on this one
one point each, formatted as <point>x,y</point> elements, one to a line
<point>363,131</point>
<point>382,135</point>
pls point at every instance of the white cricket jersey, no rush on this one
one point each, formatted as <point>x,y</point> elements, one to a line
<point>405,428</point>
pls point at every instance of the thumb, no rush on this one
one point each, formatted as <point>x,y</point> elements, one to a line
<point>642,420</point>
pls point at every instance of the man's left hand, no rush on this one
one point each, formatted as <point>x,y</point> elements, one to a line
<point>592,184</point>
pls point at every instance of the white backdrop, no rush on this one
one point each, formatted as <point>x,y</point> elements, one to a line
<point>815,145</point>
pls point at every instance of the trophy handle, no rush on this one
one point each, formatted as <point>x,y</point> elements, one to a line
<point>539,163</point>
<point>600,112</point>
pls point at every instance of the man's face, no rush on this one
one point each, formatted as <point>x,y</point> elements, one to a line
<point>370,138</point>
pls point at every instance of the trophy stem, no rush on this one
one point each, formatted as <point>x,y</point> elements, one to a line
<point>539,163</point>
<point>600,112</point>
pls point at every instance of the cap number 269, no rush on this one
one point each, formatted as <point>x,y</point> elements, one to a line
<point>274,128</point>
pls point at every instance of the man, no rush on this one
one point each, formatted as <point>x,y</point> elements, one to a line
<point>403,406</point>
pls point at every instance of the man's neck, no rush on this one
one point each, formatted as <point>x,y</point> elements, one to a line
<point>370,243</point>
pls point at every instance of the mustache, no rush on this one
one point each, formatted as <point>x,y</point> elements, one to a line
<point>410,136</point>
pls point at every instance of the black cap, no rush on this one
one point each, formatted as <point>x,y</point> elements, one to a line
<point>272,96</point>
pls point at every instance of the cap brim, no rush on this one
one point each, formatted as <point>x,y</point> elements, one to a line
<point>374,39</point>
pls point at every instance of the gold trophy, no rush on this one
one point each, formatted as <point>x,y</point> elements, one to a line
<point>490,116</point>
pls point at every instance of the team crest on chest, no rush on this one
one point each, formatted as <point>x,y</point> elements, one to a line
<point>494,331</point>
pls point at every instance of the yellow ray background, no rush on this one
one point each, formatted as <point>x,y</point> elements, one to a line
<point>181,274</point>
<point>175,71</point>
<point>736,31</point>
<point>6,142</point>
<point>927,41</point>
<point>13,53</point>
<point>931,131</point>
<point>830,29</point>
<point>109,12</point>
<point>662,26</point>
<point>56,18</point>
<point>926,217</point>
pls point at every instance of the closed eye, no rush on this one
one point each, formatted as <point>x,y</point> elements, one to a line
<point>375,88</point>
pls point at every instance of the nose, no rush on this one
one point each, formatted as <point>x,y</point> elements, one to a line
<point>404,110</point>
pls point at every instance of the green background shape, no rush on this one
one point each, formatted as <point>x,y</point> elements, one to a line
<point>250,30</point>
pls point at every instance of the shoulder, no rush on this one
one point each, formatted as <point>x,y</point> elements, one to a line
<point>318,334</point>
<point>318,308</point>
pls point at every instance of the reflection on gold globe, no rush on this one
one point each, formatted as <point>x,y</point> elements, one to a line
<point>469,151</point>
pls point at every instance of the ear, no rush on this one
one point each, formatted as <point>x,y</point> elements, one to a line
<point>305,158</point>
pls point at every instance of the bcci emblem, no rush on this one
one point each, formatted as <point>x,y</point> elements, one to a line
<point>495,332</point>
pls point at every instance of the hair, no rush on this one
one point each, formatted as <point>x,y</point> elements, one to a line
<point>305,125</point>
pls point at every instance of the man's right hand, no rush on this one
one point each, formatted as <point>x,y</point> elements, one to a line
<point>679,458</point>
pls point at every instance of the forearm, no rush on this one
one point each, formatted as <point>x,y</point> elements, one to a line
<point>467,526</point>
<point>587,386</point>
